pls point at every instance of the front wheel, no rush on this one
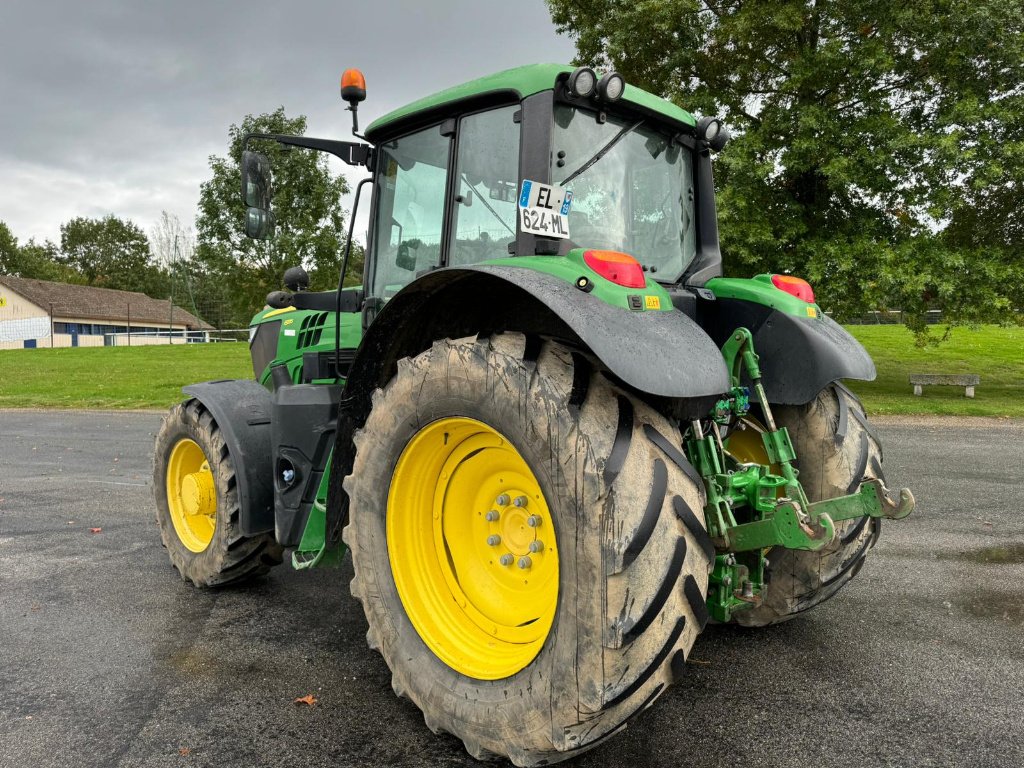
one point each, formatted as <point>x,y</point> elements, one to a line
<point>528,544</point>
<point>197,506</point>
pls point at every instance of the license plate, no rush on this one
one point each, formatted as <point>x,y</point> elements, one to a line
<point>544,209</point>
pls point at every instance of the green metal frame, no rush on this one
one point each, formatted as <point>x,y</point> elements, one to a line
<point>753,507</point>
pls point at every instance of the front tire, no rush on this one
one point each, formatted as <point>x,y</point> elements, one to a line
<point>617,505</point>
<point>836,451</point>
<point>195,488</point>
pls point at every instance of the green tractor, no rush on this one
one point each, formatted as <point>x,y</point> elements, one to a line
<point>556,441</point>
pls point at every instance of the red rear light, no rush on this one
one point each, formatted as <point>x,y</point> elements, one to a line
<point>795,286</point>
<point>620,268</point>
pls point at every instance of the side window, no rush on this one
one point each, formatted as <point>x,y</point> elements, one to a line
<point>487,183</point>
<point>410,212</point>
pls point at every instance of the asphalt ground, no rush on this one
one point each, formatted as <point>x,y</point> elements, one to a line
<point>108,659</point>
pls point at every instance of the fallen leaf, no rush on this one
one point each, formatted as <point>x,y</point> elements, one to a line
<point>95,530</point>
<point>309,700</point>
<point>183,751</point>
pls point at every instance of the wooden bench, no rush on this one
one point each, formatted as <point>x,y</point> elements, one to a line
<point>966,380</point>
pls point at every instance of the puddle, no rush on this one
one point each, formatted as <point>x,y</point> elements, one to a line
<point>1003,607</point>
<point>1007,554</point>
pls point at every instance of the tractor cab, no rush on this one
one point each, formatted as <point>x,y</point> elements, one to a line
<point>539,160</point>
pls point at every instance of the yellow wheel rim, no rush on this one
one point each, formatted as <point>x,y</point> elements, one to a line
<point>191,495</point>
<point>472,548</point>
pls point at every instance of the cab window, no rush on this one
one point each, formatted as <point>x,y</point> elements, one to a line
<point>486,184</point>
<point>410,210</point>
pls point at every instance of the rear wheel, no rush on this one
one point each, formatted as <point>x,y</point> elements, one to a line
<point>197,503</point>
<point>528,545</point>
<point>836,450</point>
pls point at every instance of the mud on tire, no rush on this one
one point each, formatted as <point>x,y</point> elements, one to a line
<point>628,512</point>
<point>836,450</point>
<point>230,557</point>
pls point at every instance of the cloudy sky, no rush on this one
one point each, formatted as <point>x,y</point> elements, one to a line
<point>114,106</point>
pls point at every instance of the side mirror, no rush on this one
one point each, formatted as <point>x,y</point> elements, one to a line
<point>259,224</point>
<point>256,193</point>
<point>405,259</point>
<point>256,187</point>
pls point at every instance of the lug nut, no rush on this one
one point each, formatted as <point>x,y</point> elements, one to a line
<point>525,562</point>
<point>506,559</point>
<point>520,501</point>
<point>502,501</point>
<point>492,516</point>
<point>494,540</point>
<point>533,521</point>
<point>536,546</point>
<point>748,589</point>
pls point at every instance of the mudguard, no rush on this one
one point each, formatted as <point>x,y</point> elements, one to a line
<point>799,356</point>
<point>242,409</point>
<point>664,354</point>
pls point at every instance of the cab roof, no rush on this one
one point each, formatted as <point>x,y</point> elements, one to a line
<point>519,83</point>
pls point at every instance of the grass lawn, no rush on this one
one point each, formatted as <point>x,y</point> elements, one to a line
<point>996,354</point>
<point>114,377</point>
<point>152,377</point>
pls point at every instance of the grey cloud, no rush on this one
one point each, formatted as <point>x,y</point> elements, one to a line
<point>114,107</point>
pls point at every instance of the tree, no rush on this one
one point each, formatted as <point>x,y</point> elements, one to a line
<point>879,146</point>
<point>32,260</point>
<point>9,262</point>
<point>310,224</point>
<point>111,253</point>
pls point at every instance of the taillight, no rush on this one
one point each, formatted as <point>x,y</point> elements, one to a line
<point>621,268</point>
<point>795,286</point>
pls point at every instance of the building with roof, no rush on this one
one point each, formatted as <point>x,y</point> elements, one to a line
<point>40,313</point>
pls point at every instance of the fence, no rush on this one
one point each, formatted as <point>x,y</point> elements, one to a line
<point>148,338</point>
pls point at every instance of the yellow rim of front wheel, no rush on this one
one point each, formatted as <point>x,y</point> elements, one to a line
<point>191,495</point>
<point>472,548</point>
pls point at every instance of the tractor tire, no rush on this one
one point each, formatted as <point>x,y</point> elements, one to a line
<point>836,450</point>
<point>540,673</point>
<point>197,503</point>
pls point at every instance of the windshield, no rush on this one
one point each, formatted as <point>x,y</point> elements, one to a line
<point>637,198</point>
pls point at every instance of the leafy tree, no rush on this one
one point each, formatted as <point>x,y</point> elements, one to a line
<point>10,264</point>
<point>111,253</point>
<point>879,145</point>
<point>310,224</point>
<point>32,260</point>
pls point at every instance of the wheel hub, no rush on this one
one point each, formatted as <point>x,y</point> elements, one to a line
<point>198,494</point>
<point>191,495</point>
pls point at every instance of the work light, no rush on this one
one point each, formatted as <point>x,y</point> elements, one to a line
<point>711,130</point>
<point>611,86</point>
<point>582,82</point>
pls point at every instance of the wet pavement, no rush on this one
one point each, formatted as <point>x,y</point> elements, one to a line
<point>108,659</point>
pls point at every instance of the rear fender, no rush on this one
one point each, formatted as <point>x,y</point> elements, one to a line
<point>663,354</point>
<point>799,356</point>
<point>242,410</point>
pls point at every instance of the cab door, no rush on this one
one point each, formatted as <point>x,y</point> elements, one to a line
<point>445,196</point>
